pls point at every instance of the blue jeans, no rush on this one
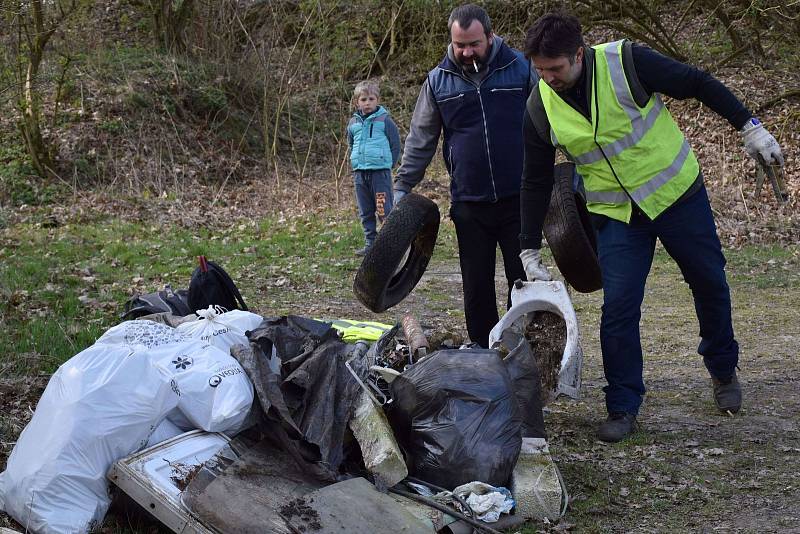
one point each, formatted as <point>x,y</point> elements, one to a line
<point>625,251</point>
<point>374,197</point>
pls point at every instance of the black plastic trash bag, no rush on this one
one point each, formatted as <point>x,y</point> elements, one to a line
<point>456,416</point>
<point>525,377</point>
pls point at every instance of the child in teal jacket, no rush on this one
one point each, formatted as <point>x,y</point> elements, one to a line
<point>374,149</point>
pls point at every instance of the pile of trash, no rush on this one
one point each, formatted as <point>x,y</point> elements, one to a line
<point>227,421</point>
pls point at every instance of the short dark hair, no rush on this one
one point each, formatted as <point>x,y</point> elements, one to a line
<point>465,14</point>
<point>553,35</point>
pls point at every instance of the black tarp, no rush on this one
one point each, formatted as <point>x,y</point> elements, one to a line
<point>307,405</point>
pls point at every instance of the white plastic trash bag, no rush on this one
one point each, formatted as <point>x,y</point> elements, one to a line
<point>102,405</point>
<point>214,392</point>
<point>98,407</point>
<point>220,328</point>
<point>164,431</point>
<point>142,333</point>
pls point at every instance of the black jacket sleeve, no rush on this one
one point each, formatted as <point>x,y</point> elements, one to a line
<point>537,184</point>
<point>662,74</point>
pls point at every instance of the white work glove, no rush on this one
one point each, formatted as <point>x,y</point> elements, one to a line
<point>397,195</point>
<point>757,141</point>
<point>532,263</point>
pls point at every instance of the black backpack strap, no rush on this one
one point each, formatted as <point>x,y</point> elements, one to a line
<point>225,278</point>
<point>235,291</point>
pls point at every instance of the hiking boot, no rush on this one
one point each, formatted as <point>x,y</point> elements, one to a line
<point>618,426</point>
<point>727,393</point>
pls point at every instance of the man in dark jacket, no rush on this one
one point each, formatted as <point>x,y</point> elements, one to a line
<point>476,96</point>
<point>601,106</point>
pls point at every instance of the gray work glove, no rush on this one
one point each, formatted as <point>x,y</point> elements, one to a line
<point>758,141</point>
<point>532,263</point>
<point>397,195</point>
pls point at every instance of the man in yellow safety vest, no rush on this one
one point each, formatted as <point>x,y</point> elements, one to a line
<point>601,106</point>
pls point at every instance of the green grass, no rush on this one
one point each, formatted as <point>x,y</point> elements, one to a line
<point>46,273</point>
<point>765,267</point>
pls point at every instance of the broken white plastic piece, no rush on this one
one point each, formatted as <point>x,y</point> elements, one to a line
<point>387,373</point>
<point>551,297</point>
<point>537,484</point>
<point>381,453</point>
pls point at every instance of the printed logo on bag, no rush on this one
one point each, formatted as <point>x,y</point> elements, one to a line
<point>182,362</point>
<point>217,378</point>
<point>151,334</point>
<point>175,389</point>
<point>219,332</point>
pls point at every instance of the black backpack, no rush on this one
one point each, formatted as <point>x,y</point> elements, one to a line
<point>167,300</point>
<point>210,284</point>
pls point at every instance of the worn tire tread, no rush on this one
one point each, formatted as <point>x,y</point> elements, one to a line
<point>570,235</point>
<point>413,221</point>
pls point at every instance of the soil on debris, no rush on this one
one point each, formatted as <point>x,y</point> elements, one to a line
<point>547,336</point>
<point>183,474</point>
<point>299,508</point>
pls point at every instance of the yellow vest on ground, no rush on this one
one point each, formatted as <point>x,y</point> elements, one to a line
<point>626,151</point>
<point>353,331</point>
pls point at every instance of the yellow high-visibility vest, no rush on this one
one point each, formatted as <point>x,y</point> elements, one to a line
<point>625,152</point>
<point>353,331</point>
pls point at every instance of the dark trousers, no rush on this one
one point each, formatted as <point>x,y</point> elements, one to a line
<point>480,227</point>
<point>689,236</point>
<point>374,197</point>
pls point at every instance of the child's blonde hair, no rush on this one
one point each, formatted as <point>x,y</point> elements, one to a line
<point>370,87</point>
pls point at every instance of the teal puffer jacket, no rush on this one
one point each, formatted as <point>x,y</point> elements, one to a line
<point>370,148</point>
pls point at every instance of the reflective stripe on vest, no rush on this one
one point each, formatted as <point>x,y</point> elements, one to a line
<point>644,147</point>
<point>353,331</point>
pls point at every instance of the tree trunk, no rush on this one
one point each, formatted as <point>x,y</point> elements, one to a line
<point>170,22</point>
<point>31,106</point>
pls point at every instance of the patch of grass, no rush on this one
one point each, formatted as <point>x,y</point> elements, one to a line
<point>64,286</point>
<point>19,183</point>
<point>765,267</point>
<point>114,125</point>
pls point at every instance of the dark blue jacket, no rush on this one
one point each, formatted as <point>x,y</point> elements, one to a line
<point>482,125</point>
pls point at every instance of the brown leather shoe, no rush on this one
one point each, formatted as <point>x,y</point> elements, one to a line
<point>618,426</point>
<point>727,393</point>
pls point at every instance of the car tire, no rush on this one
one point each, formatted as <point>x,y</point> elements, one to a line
<point>570,235</point>
<point>397,259</point>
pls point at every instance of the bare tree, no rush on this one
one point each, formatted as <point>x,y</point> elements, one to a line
<point>35,23</point>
